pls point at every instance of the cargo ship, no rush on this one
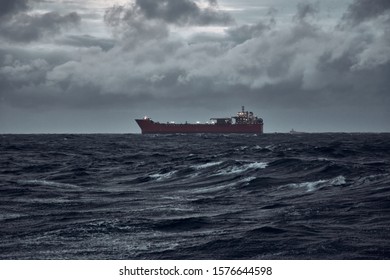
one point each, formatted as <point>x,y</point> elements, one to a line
<point>243,122</point>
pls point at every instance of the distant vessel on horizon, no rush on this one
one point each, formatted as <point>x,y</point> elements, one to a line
<point>243,122</point>
<point>292,131</point>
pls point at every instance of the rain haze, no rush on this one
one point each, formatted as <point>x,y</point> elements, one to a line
<point>95,65</point>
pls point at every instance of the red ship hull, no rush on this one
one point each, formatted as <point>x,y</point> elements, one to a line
<point>150,127</point>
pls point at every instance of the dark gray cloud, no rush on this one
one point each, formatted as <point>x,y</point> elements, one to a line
<point>245,32</point>
<point>9,7</point>
<point>87,41</point>
<point>132,26</point>
<point>19,26</point>
<point>361,10</point>
<point>15,73</point>
<point>179,12</point>
<point>146,20</point>
<point>183,12</point>
<point>305,9</point>
<point>26,28</point>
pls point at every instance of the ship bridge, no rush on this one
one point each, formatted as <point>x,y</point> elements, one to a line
<point>245,117</point>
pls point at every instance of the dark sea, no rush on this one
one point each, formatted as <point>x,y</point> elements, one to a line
<point>131,196</point>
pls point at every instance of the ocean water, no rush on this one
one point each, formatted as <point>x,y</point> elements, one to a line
<point>272,196</point>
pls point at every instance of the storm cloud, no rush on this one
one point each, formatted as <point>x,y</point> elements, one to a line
<point>148,19</point>
<point>18,25</point>
<point>9,7</point>
<point>305,9</point>
<point>362,10</point>
<point>26,28</point>
<point>183,12</point>
<point>336,74</point>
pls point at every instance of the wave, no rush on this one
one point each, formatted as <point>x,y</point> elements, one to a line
<point>182,224</point>
<point>205,170</point>
<point>266,230</point>
<point>241,168</point>
<point>36,182</point>
<point>195,197</point>
<point>162,176</point>
<point>315,185</point>
<point>220,187</point>
<point>206,165</point>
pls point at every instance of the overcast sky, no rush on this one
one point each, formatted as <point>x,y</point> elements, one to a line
<point>96,65</point>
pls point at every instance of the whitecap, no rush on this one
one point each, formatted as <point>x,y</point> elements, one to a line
<point>47,183</point>
<point>211,189</point>
<point>338,181</point>
<point>312,186</point>
<point>248,179</point>
<point>159,176</point>
<point>206,165</point>
<point>243,168</point>
<point>257,165</point>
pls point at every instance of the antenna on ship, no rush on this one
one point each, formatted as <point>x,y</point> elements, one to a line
<point>243,109</point>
